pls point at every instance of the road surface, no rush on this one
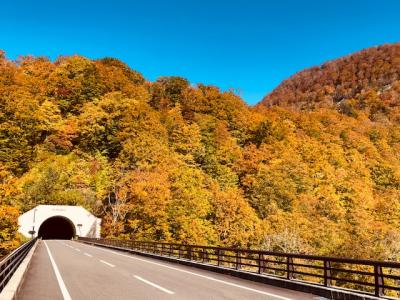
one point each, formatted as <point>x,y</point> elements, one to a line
<point>72,270</point>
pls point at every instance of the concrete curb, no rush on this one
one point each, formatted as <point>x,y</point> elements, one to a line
<point>11,290</point>
<point>326,292</point>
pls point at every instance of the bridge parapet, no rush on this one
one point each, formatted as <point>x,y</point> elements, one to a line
<point>11,262</point>
<point>331,277</point>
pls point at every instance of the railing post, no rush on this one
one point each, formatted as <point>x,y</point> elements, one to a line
<point>218,257</point>
<point>260,263</point>
<point>204,254</point>
<point>238,260</point>
<point>289,267</point>
<point>379,291</point>
<point>189,252</point>
<point>263,264</point>
<point>327,273</point>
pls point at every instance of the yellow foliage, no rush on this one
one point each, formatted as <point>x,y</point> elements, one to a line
<point>170,161</point>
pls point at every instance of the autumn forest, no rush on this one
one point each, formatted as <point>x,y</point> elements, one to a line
<point>313,168</point>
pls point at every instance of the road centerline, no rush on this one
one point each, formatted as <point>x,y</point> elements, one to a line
<point>107,263</point>
<point>154,285</point>
<point>60,281</point>
<point>87,254</point>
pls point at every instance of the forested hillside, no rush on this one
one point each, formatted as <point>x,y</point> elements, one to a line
<point>368,80</point>
<point>170,161</point>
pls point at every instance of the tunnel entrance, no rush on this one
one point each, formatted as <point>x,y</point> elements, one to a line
<point>57,227</point>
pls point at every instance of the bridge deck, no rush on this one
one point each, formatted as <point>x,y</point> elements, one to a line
<point>88,272</point>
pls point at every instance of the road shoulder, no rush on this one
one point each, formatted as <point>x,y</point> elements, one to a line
<point>40,280</point>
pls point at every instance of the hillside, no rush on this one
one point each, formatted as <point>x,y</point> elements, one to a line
<point>170,161</point>
<point>367,80</point>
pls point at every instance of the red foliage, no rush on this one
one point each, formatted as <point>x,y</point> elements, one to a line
<point>376,69</point>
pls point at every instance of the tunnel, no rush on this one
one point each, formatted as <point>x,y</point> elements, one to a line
<point>57,227</point>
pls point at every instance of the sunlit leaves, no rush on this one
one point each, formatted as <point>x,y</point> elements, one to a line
<point>172,161</point>
<point>9,238</point>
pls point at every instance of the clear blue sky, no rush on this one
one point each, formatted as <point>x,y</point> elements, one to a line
<point>249,45</point>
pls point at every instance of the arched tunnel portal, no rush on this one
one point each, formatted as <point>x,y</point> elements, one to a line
<point>57,227</point>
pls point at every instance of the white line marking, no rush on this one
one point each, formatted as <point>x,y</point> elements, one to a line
<point>154,285</point>
<point>202,276</point>
<point>87,254</point>
<point>108,264</point>
<point>60,281</point>
<point>76,249</point>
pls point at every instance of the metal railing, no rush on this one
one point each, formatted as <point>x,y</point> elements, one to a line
<point>378,278</point>
<point>10,263</point>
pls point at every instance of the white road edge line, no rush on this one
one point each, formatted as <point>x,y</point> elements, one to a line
<point>87,254</point>
<point>202,276</point>
<point>60,281</point>
<point>107,263</point>
<point>76,249</point>
<point>154,285</point>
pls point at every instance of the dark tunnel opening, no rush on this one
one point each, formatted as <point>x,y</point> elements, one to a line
<point>57,227</point>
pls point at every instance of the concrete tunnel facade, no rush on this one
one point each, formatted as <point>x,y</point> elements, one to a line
<point>59,222</point>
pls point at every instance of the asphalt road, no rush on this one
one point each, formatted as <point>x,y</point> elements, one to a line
<point>72,270</point>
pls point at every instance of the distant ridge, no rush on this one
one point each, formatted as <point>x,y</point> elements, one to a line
<point>374,69</point>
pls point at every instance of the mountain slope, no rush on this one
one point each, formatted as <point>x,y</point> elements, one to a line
<point>169,161</point>
<point>346,83</point>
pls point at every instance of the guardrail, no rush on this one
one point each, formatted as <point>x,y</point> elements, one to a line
<point>10,263</point>
<point>376,278</point>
